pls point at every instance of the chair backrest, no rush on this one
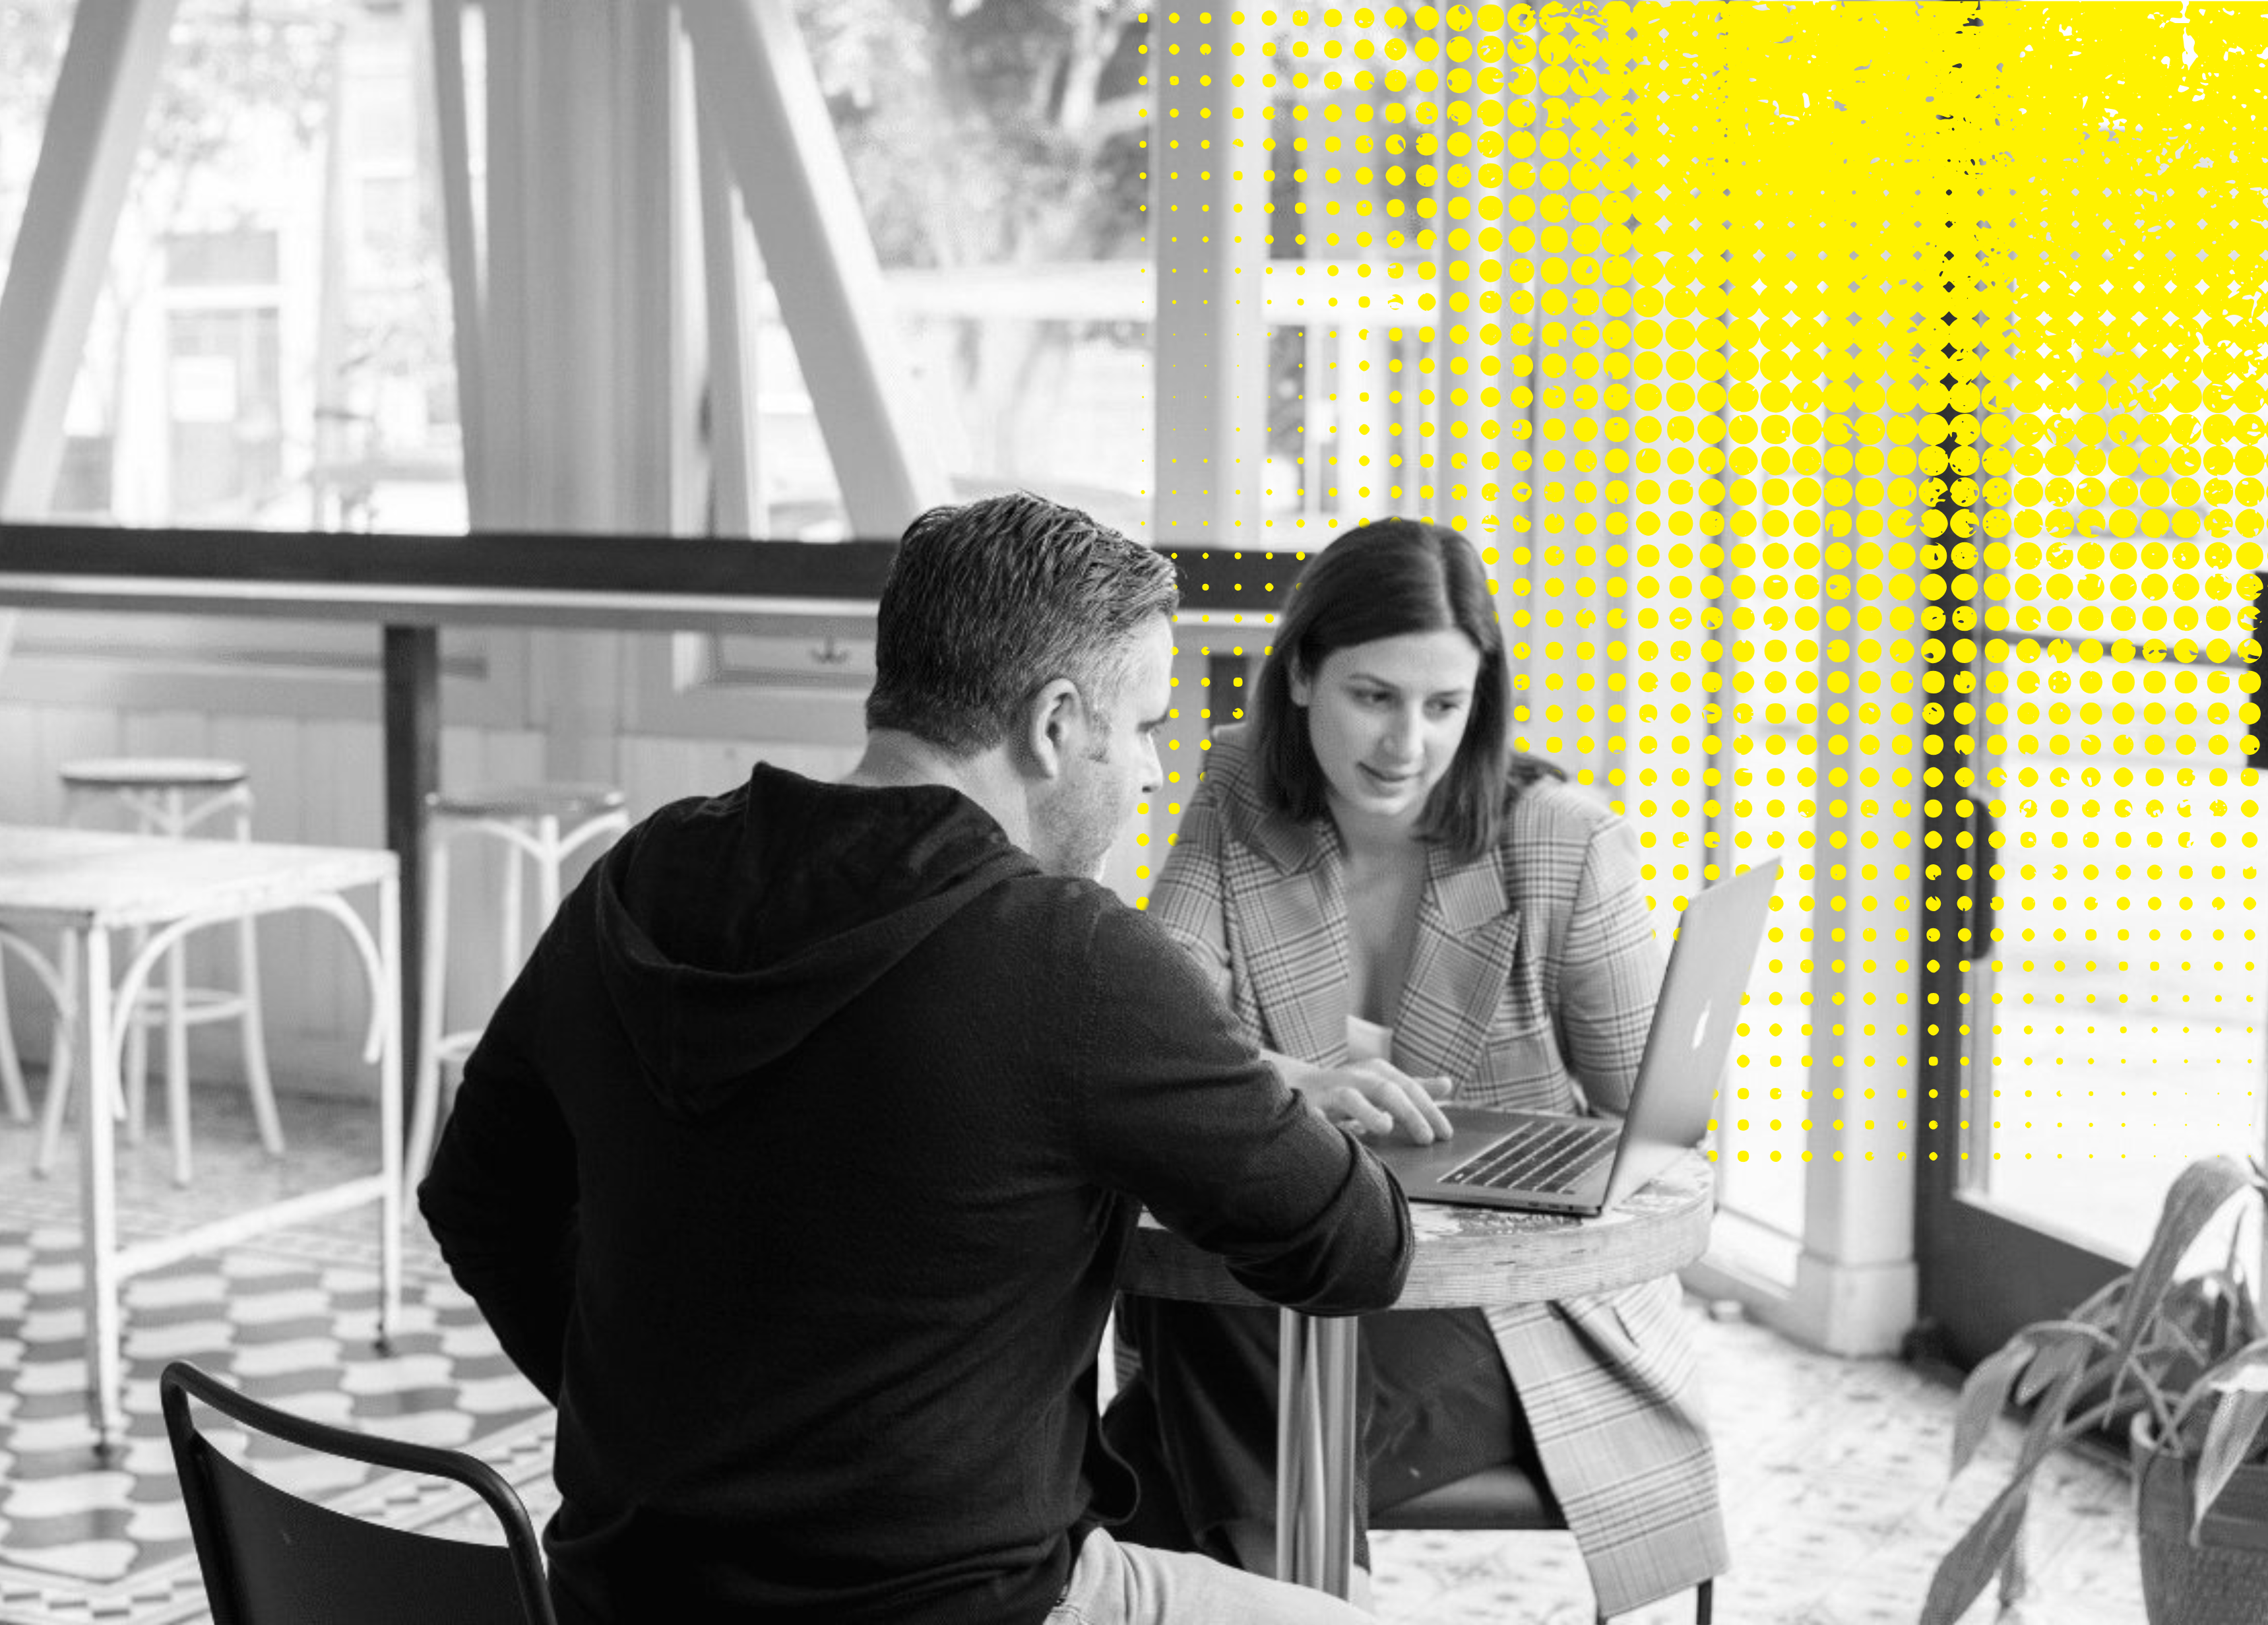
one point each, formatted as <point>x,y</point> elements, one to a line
<point>271,1558</point>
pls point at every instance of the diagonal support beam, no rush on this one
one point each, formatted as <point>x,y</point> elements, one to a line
<point>102,98</point>
<point>727,263</point>
<point>755,80</point>
<point>453,170</point>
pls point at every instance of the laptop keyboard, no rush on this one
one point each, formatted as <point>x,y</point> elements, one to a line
<point>1539,1156</point>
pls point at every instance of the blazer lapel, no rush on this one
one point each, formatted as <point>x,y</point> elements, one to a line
<point>1467,934</point>
<point>1290,902</point>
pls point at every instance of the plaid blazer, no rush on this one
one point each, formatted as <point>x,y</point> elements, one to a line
<point>1531,984</point>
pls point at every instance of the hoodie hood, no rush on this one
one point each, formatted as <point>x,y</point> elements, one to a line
<point>728,929</point>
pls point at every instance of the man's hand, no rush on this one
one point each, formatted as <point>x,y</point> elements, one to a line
<point>1377,1097</point>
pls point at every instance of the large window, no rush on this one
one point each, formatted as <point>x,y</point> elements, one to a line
<point>271,347</point>
<point>996,154</point>
<point>1472,318</point>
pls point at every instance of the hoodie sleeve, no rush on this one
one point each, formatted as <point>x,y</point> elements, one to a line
<point>501,1194</point>
<point>1176,1109</point>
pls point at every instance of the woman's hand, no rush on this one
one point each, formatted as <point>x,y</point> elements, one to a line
<point>1375,1097</point>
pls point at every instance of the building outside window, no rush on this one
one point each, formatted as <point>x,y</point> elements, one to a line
<point>271,344</point>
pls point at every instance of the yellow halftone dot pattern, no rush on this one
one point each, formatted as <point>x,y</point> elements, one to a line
<point>1859,407</point>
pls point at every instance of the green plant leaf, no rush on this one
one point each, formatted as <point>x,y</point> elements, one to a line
<point>2015,1573</point>
<point>2105,1306</point>
<point>1982,1397</point>
<point>2200,1192</point>
<point>2246,1369</point>
<point>2154,1400</point>
<point>2047,1427</point>
<point>2247,1308</point>
<point>2212,1310</point>
<point>2146,1341</point>
<point>2065,1346</point>
<point>1963,1572</point>
<point>2228,1440</point>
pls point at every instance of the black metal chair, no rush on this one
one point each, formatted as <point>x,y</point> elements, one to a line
<point>1501,1497</point>
<point>272,1558</point>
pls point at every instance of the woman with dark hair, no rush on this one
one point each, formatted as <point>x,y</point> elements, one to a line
<point>1402,909</point>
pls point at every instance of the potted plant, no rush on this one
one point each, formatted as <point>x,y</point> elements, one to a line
<point>2181,1364</point>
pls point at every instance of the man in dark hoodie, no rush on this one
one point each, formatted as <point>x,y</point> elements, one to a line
<point>796,1166</point>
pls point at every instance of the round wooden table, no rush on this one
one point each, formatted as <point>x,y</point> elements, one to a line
<point>1466,1258</point>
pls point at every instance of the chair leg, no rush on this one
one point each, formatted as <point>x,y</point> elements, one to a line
<point>1705,1605</point>
<point>135,1075</point>
<point>425,1085</point>
<point>547,878</point>
<point>177,1058</point>
<point>11,1066</point>
<point>514,908</point>
<point>61,1057</point>
<point>256,1078</point>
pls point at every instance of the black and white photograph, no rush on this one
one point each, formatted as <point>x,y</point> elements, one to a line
<point>1062,812</point>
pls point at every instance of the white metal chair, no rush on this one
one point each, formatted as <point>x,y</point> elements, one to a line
<point>14,1098</point>
<point>176,797</point>
<point>541,826</point>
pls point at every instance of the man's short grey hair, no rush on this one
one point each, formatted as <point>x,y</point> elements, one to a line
<point>990,602</point>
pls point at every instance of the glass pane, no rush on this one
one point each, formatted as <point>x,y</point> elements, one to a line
<point>798,498</point>
<point>1358,138</point>
<point>1729,654</point>
<point>996,152</point>
<point>272,345</point>
<point>32,35</point>
<point>1767,1090</point>
<point>2126,987</point>
<point>387,451</point>
<point>1768,763</point>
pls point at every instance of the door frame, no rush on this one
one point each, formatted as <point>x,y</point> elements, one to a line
<point>1979,1273</point>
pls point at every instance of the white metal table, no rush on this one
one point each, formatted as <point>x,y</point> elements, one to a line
<point>87,886</point>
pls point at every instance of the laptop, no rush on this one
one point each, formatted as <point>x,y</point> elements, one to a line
<point>1550,1163</point>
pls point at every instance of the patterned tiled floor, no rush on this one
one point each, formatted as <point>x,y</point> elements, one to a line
<point>289,1317</point>
<point>1834,1470</point>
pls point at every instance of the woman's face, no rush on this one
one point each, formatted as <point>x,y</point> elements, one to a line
<point>1385,719</point>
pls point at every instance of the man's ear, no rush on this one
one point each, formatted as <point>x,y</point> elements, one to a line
<point>1051,718</point>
